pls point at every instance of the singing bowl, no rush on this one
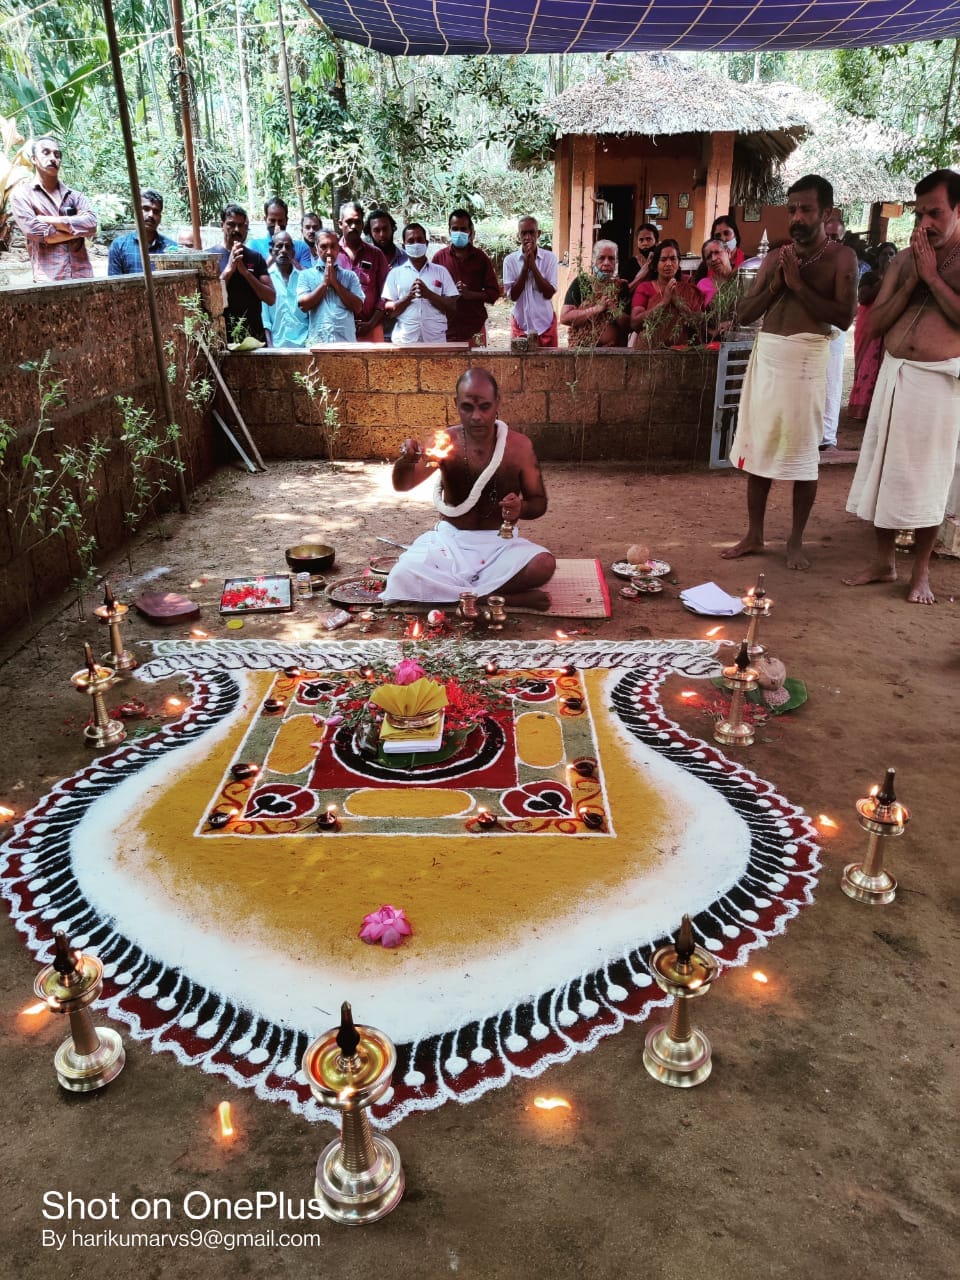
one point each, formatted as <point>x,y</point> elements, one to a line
<point>310,557</point>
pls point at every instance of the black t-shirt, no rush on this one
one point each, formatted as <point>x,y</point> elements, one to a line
<point>242,302</point>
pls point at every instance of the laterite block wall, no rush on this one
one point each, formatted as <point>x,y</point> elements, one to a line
<point>650,408</point>
<point>99,339</point>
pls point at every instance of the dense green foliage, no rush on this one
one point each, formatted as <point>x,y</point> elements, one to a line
<point>420,135</point>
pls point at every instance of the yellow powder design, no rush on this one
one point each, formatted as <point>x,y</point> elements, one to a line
<point>292,749</point>
<point>307,895</point>
<point>408,802</point>
<point>539,739</point>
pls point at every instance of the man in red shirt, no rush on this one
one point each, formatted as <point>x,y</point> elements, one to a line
<point>475,278</point>
<point>370,267</point>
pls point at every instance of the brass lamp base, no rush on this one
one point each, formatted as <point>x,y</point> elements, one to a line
<point>122,661</point>
<point>355,1198</point>
<point>733,735</point>
<point>876,890</point>
<point>680,1063</point>
<point>105,735</point>
<point>84,1072</point>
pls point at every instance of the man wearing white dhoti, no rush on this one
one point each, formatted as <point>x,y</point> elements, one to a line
<point>909,451</point>
<point>487,476</point>
<point>801,292</point>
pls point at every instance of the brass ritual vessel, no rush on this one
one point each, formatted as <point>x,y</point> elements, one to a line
<point>467,606</point>
<point>739,678</point>
<point>90,1057</point>
<point>678,1053</point>
<point>756,605</point>
<point>881,816</point>
<point>359,1175</point>
<point>494,613</point>
<point>95,681</point>
<point>112,613</point>
<point>508,529</point>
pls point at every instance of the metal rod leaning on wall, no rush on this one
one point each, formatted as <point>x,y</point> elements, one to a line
<point>176,11</point>
<point>215,368</point>
<point>124,113</point>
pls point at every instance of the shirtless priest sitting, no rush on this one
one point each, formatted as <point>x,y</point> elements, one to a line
<point>486,475</point>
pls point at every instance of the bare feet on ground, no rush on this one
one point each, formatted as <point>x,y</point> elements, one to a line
<point>872,573</point>
<point>745,547</point>
<point>920,590</point>
<point>797,557</point>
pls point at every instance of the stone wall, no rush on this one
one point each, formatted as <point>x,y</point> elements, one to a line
<point>652,408</point>
<point>99,339</point>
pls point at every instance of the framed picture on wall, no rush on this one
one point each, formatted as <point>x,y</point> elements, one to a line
<point>751,211</point>
<point>663,205</point>
<point>683,200</point>
<point>688,220</point>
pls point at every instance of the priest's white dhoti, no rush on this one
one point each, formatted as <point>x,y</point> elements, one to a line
<point>909,452</point>
<point>446,560</point>
<point>781,407</point>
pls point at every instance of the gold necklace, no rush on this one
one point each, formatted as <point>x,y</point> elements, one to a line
<point>808,262</point>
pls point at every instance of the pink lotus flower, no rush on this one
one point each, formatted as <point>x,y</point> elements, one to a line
<point>407,671</point>
<point>389,926</point>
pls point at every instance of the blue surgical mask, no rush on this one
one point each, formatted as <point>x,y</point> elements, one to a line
<point>729,245</point>
<point>459,239</point>
<point>416,250</point>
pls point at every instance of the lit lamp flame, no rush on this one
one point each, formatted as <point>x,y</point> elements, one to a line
<point>688,693</point>
<point>826,823</point>
<point>225,1117</point>
<point>441,448</point>
<point>32,1010</point>
<point>714,631</point>
<point>198,634</point>
<point>759,976</point>
<point>415,630</point>
<point>551,1104</point>
<point>174,704</point>
<point>562,635</point>
<point>6,812</point>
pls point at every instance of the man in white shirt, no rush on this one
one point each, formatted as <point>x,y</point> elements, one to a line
<point>419,294</point>
<point>530,279</point>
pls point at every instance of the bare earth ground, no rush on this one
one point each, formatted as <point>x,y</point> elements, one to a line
<point>820,1147</point>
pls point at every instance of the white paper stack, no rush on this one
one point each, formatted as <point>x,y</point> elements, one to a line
<point>712,600</point>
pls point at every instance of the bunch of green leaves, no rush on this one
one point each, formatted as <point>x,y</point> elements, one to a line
<point>150,449</point>
<point>323,407</point>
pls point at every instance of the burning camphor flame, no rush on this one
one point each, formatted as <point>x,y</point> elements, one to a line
<point>441,448</point>
<point>688,693</point>
<point>714,631</point>
<point>32,1010</point>
<point>759,976</point>
<point>225,1117</point>
<point>827,823</point>
<point>6,812</point>
<point>550,1104</point>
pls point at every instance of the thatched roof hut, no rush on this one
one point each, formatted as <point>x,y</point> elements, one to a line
<point>690,141</point>
<point>658,95</point>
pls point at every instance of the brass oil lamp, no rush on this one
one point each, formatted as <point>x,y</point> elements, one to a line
<point>95,681</point>
<point>678,1053</point>
<point>112,613</point>
<point>756,605</point>
<point>359,1175</point>
<point>90,1057</point>
<point>739,678</point>
<point>882,817</point>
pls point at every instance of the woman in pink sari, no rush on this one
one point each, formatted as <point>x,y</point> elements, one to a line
<point>867,352</point>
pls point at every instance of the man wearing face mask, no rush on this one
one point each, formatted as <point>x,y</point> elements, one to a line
<point>56,220</point>
<point>475,278</point>
<point>421,295</point>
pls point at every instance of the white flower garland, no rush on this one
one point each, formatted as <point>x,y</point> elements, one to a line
<point>473,497</point>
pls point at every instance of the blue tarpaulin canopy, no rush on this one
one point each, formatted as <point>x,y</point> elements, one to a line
<point>600,26</point>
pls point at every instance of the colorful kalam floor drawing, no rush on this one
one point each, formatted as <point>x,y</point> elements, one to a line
<point>232,948</point>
